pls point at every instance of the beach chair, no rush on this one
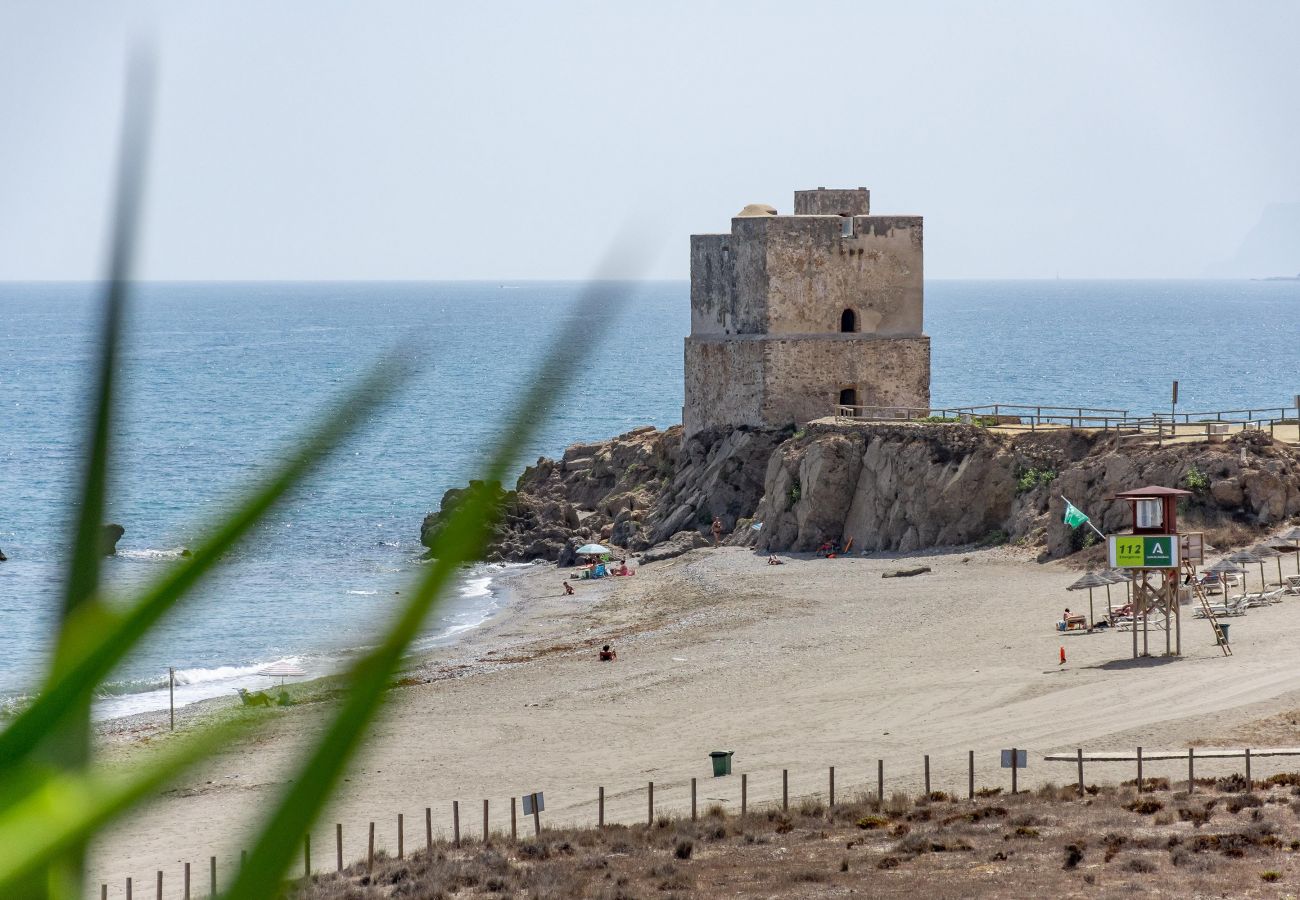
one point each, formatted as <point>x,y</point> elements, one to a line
<point>1293,585</point>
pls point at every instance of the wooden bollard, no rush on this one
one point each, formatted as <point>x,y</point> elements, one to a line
<point>1191,770</point>
<point>428,828</point>
<point>537,818</point>
<point>785,789</point>
<point>970,774</point>
<point>1250,785</point>
<point>485,820</point>
<point>600,808</point>
<point>103,892</point>
<point>880,783</point>
<point>455,822</point>
<point>401,837</point>
<point>212,868</point>
<point>186,894</point>
<point>306,856</point>
<point>927,775</point>
<point>744,793</point>
<point>831,790</point>
<point>158,890</point>
<point>1015,758</point>
<point>1139,780</point>
<point>338,845</point>
<point>514,826</point>
<point>370,850</point>
<point>1079,754</point>
<point>650,804</point>
<point>693,815</point>
<point>128,889</point>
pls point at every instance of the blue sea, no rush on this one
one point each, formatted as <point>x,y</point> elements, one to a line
<point>218,379</point>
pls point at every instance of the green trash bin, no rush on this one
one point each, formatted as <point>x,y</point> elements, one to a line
<point>1224,628</point>
<point>721,762</point>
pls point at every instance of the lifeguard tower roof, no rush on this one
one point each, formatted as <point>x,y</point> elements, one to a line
<point>1152,491</point>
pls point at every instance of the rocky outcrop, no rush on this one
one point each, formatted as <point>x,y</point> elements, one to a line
<point>896,487</point>
<point>910,487</point>
<point>111,534</point>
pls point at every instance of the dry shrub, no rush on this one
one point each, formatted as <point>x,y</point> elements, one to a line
<point>1146,806</point>
<point>868,823</point>
<point>1270,876</point>
<point>1140,866</point>
<point>939,797</point>
<point>1283,779</point>
<point>898,804</point>
<point>809,876</point>
<point>889,862</point>
<point>1232,784</point>
<point>684,849</point>
<point>988,792</point>
<point>811,808</point>
<point>1073,855</point>
<point>1243,801</point>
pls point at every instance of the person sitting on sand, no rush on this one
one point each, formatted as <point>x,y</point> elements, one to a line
<point>716,528</point>
<point>608,654</point>
<point>773,561</point>
<point>568,588</point>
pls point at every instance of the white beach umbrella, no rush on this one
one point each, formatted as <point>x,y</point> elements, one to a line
<point>593,550</point>
<point>282,670</point>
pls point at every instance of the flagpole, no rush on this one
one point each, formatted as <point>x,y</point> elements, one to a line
<point>1085,518</point>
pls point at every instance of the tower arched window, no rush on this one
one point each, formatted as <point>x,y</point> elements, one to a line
<point>848,321</point>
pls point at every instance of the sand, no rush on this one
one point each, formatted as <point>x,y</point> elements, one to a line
<point>812,664</point>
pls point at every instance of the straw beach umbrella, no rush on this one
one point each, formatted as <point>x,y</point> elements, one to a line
<point>1294,537</point>
<point>1263,551</point>
<point>1091,580</point>
<point>1222,569</point>
<point>1121,575</point>
<point>1245,556</point>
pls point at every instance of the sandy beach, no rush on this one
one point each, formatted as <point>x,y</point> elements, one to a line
<point>803,666</point>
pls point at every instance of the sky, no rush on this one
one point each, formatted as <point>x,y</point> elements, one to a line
<point>311,139</point>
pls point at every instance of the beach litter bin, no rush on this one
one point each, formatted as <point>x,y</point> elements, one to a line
<point>1224,628</point>
<point>721,762</point>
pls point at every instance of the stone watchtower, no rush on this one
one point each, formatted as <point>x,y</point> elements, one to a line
<point>794,315</point>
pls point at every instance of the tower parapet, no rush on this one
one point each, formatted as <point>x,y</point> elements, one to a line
<point>794,314</point>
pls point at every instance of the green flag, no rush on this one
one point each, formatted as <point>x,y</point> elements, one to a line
<point>1074,517</point>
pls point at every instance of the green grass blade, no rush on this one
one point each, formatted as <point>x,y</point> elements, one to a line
<point>61,811</point>
<point>462,540</point>
<point>98,638</point>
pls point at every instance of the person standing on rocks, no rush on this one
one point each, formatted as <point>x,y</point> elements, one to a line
<point>717,531</point>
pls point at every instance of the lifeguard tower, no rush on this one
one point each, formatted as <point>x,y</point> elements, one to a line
<point>1156,556</point>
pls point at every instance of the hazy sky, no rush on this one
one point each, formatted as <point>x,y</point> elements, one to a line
<point>321,140</point>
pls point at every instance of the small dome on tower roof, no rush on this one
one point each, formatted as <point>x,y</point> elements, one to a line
<point>756,209</point>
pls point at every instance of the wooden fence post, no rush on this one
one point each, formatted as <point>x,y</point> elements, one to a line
<point>370,850</point>
<point>650,807</point>
<point>600,808</point>
<point>514,822</point>
<point>785,789</point>
<point>243,859</point>
<point>128,889</point>
<point>693,815</point>
<point>832,787</point>
<point>1250,785</point>
<point>1079,754</point>
<point>401,837</point>
<point>880,784</point>
<point>485,820</point>
<point>927,775</point>
<point>455,822</point>
<point>1015,758</point>
<point>970,776</point>
<point>306,856</point>
<point>1139,779</point>
<point>428,828</point>
<point>1191,770</point>
<point>187,882</point>
<point>103,892</point>
<point>537,818</point>
<point>212,865</point>
<point>158,890</point>
<point>744,793</point>
<point>338,844</point>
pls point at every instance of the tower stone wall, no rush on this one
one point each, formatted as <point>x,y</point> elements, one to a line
<point>790,315</point>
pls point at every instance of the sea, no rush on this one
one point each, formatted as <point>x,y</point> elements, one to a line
<point>218,379</point>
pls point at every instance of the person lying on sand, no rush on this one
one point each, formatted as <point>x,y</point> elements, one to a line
<point>608,654</point>
<point>773,561</point>
<point>568,588</point>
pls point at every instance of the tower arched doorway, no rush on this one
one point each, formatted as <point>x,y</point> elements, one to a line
<point>849,398</point>
<point>848,321</point>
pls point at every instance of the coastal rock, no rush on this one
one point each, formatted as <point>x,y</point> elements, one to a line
<point>111,534</point>
<point>902,487</point>
<point>682,542</point>
<point>2,556</point>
